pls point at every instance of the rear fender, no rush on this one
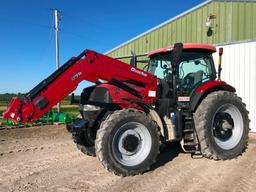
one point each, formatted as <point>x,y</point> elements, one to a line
<point>206,89</point>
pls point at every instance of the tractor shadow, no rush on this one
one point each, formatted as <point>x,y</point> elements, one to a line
<point>167,153</point>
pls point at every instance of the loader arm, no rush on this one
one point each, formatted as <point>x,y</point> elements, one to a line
<point>90,66</point>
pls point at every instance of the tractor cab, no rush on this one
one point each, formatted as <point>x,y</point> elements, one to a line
<point>194,68</point>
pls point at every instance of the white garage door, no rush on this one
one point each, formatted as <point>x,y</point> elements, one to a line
<point>239,70</point>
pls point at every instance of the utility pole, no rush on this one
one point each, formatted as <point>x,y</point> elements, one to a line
<point>56,16</point>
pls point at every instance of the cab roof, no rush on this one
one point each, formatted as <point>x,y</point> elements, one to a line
<point>206,47</point>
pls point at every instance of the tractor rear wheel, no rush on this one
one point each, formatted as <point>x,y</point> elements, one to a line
<point>85,140</point>
<point>222,125</point>
<point>127,142</point>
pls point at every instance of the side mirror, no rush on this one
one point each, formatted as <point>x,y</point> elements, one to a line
<point>73,100</point>
<point>133,61</point>
<point>176,54</point>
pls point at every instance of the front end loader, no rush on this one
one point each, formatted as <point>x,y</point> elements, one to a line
<point>130,112</point>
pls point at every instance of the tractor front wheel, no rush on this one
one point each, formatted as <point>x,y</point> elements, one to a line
<point>127,142</point>
<point>222,125</point>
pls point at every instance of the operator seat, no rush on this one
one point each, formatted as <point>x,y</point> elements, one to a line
<point>198,76</point>
<point>192,79</point>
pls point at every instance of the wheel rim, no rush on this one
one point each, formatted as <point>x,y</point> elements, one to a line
<point>131,144</point>
<point>227,126</point>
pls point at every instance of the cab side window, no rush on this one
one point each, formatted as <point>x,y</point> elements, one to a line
<point>161,68</point>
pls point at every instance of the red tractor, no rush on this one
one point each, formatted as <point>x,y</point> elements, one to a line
<point>129,112</point>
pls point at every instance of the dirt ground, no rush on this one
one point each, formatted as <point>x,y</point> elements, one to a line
<point>45,159</point>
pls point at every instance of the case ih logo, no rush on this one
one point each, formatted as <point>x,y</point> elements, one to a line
<point>76,76</point>
<point>139,72</point>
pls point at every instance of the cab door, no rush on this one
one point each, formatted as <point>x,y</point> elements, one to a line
<point>194,69</point>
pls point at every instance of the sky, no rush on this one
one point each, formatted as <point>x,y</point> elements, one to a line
<point>27,39</point>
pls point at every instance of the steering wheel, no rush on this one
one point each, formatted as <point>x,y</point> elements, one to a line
<point>188,81</point>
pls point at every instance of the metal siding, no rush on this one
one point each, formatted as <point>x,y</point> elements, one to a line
<point>183,29</point>
<point>248,21</point>
<point>242,21</point>
<point>239,69</point>
<point>174,31</point>
<point>169,34</point>
<point>254,20</point>
<point>152,39</point>
<point>193,27</point>
<point>189,28</point>
<point>165,36</point>
<point>222,20</point>
<point>229,24</point>
<point>160,37</point>
<point>177,31</point>
<point>199,28</point>
<point>235,19</point>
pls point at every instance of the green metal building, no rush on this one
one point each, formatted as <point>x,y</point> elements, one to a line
<point>213,22</point>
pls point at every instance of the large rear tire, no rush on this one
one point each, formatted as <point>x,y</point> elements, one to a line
<point>127,142</point>
<point>85,140</point>
<point>222,125</point>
